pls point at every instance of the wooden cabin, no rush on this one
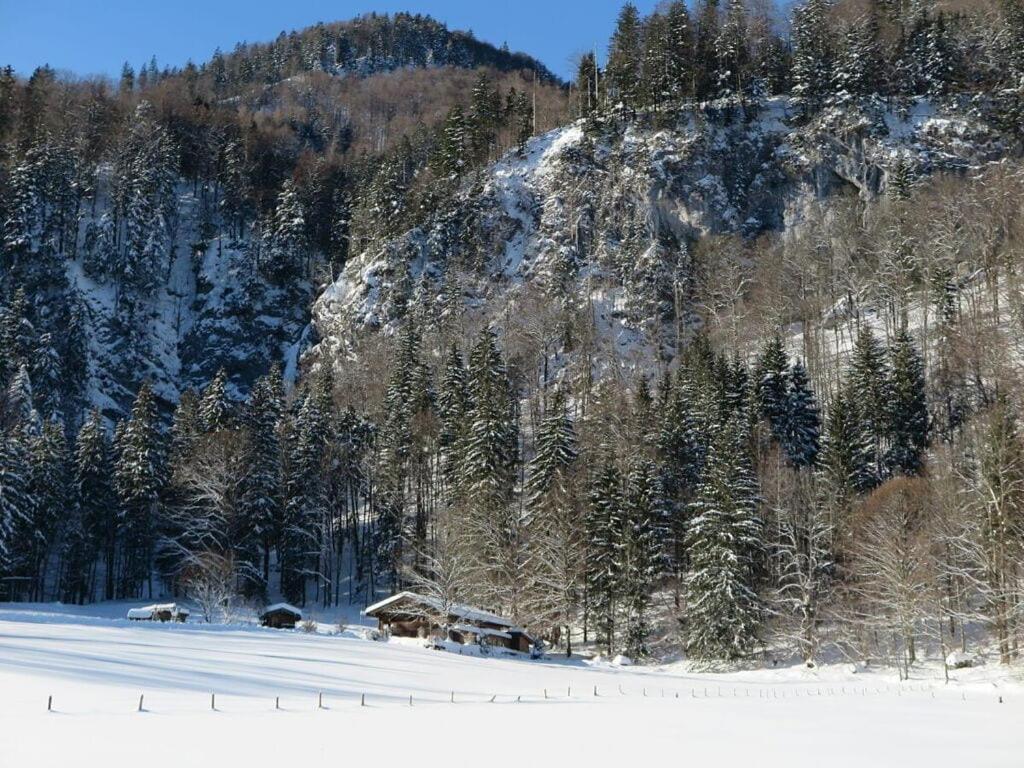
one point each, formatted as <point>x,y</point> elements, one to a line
<point>280,616</point>
<point>408,614</point>
<point>163,612</point>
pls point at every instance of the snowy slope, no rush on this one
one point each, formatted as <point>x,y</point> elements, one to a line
<point>96,668</point>
<point>603,210</point>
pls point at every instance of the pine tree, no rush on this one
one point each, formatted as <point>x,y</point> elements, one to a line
<point>605,542</point>
<point>16,504</point>
<point>49,490</point>
<point>624,57</point>
<point>96,508</point>
<point>812,54</point>
<point>908,408</point>
<point>284,253</point>
<point>871,392</point>
<point>556,518</point>
<point>846,453</point>
<point>216,411</point>
<point>138,478</point>
<point>305,490</point>
<point>586,84</point>
<point>858,72</point>
<point>260,494</point>
<point>679,51</point>
<point>802,435</point>
<point>724,543</point>
<point>705,62</point>
<point>732,51</point>
<point>642,557</point>
<point>773,386</point>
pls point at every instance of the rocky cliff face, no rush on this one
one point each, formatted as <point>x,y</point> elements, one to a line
<point>599,213</point>
<point>605,211</point>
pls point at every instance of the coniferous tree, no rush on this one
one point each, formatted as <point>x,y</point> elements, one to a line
<point>138,478</point>
<point>260,495</point>
<point>215,411</point>
<point>705,60</point>
<point>724,542</point>
<point>605,542</point>
<point>624,57</point>
<point>679,51</point>
<point>286,248</point>
<point>732,51</point>
<point>645,525</point>
<point>908,408</point>
<point>16,503</point>
<point>870,389</point>
<point>802,437</point>
<point>812,54</point>
<point>846,452</point>
<point>773,387</point>
<point>96,508</point>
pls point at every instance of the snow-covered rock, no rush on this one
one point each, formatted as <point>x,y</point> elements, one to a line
<point>602,212</point>
<point>962,660</point>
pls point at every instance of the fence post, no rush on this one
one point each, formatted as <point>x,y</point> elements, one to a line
<point>49,704</point>
<point>320,700</point>
<point>277,702</point>
<point>213,702</point>
<point>362,699</point>
<point>141,695</point>
<point>595,691</point>
<point>410,699</point>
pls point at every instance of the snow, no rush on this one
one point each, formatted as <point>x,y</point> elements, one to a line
<point>283,607</point>
<point>96,667</point>
<point>464,612</point>
<point>149,611</point>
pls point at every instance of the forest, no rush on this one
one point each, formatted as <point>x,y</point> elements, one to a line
<point>816,453</point>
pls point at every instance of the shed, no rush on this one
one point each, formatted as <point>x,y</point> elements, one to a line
<point>280,616</point>
<point>162,612</point>
<point>408,614</point>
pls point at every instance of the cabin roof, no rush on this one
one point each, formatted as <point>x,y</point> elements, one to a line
<point>465,613</point>
<point>150,610</point>
<point>288,607</point>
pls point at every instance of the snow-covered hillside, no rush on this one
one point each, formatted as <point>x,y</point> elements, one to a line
<point>96,667</point>
<point>602,211</point>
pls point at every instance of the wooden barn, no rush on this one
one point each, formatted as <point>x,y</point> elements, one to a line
<point>161,612</point>
<point>280,616</point>
<point>408,614</point>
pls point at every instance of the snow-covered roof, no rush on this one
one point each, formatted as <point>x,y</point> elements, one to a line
<point>457,610</point>
<point>149,611</point>
<point>471,629</point>
<point>283,607</point>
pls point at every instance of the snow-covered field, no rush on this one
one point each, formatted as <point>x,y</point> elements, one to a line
<point>96,667</point>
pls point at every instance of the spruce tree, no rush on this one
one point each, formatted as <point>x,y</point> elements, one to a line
<point>645,526</point>
<point>260,495</point>
<point>96,507</point>
<point>624,56</point>
<point>605,542</point>
<point>724,543</point>
<point>813,71</point>
<point>138,478</point>
<point>871,392</point>
<point>216,411</point>
<point>802,436</point>
<point>908,408</point>
<point>773,386</point>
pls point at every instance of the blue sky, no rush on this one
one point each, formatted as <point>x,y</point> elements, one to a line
<point>87,37</point>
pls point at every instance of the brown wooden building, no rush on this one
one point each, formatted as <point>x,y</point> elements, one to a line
<point>280,616</point>
<point>408,614</point>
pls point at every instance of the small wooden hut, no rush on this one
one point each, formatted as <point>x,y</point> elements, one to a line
<point>408,614</point>
<point>280,616</point>
<point>162,612</point>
